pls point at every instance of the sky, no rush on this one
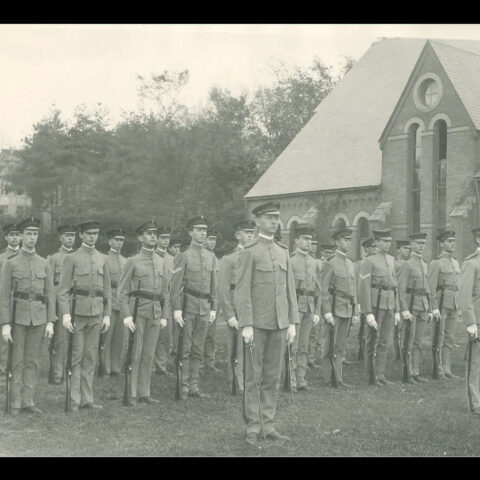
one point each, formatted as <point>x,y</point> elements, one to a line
<point>70,65</point>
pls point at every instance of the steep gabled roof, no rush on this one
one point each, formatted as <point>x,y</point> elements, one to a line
<point>338,148</point>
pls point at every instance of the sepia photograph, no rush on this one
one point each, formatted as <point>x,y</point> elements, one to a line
<point>240,240</point>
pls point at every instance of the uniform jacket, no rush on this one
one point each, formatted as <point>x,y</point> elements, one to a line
<point>444,269</point>
<point>469,294</point>
<point>152,271</point>
<point>116,262</point>
<point>358,264</point>
<point>167,258</point>
<point>56,264</point>
<point>307,277</point>
<point>89,268</point>
<point>413,271</point>
<point>398,263</point>
<point>339,273</point>
<point>265,292</point>
<point>7,253</point>
<point>34,277</point>
<point>378,268</point>
<point>195,269</point>
<point>227,280</point>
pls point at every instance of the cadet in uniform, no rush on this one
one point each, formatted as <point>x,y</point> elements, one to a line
<point>173,250</point>
<point>308,290</point>
<point>469,303</point>
<point>153,273</point>
<point>115,335</point>
<point>89,269</point>
<point>194,275</point>
<point>315,332</point>
<point>13,238</point>
<point>444,272</point>
<point>243,232</point>
<point>164,344</point>
<point>413,280</point>
<point>67,235</point>
<point>338,280</point>
<point>35,298</point>
<point>403,252</point>
<point>267,309</point>
<point>209,347</point>
<point>378,270</point>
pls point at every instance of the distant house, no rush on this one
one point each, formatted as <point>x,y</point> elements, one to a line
<point>13,201</point>
<point>396,143</point>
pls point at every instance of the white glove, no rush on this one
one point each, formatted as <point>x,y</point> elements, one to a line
<point>7,333</point>
<point>49,330</point>
<point>105,324</point>
<point>233,323</point>
<point>471,329</point>
<point>436,313</point>
<point>396,317</point>
<point>406,315</point>
<point>128,322</point>
<point>67,322</point>
<point>163,322</point>
<point>329,318</point>
<point>371,321</point>
<point>316,319</point>
<point>291,332</point>
<point>213,315</point>
<point>247,334</point>
<point>429,317</point>
<point>355,319</point>
<point>177,315</point>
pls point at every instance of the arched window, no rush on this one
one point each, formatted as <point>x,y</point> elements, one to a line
<point>440,173</point>
<point>413,186</point>
<point>339,224</point>
<point>363,232</point>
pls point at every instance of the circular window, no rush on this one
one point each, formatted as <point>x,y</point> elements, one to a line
<point>427,92</point>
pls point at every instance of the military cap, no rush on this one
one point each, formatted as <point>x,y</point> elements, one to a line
<point>143,227</point>
<point>10,227</point>
<point>29,224</point>
<point>341,233</point>
<point>476,231</point>
<point>387,232</point>
<point>115,232</point>
<point>211,234</point>
<point>314,242</point>
<point>200,221</point>
<point>369,242</point>
<point>163,230</point>
<point>328,248</point>
<point>246,225</point>
<point>445,233</point>
<point>418,236</point>
<point>304,230</point>
<point>89,225</point>
<point>402,243</point>
<point>269,207</point>
<point>67,228</point>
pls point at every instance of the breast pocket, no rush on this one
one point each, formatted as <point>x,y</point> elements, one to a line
<point>263,273</point>
<point>282,273</point>
<point>21,276</point>
<point>39,281</point>
<point>82,276</point>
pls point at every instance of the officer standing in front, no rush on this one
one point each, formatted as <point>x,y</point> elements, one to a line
<point>153,273</point>
<point>267,312</point>
<point>378,271</point>
<point>89,269</point>
<point>67,234</point>
<point>35,308</point>
<point>194,275</point>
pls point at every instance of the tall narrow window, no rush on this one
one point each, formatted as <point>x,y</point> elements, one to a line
<point>363,231</point>
<point>293,227</point>
<point>414,154</point>
<point>440,172</point>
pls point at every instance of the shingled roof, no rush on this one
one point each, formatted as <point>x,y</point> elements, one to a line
<point>338,148</point>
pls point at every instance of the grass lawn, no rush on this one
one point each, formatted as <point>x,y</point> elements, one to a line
<point>419,420</point>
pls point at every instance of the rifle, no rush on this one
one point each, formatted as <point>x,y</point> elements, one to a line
<point>287,384</point>
<point>396,337</point>
<point>436,334</point>
<point>68,368</point>
<point>51,354</point>
<point>331,348</point>
<point>471,340</point>
<point>127,393</point>
<point>352,303</point>
<point>179,353</point>
<point>361,337</point>
<point>406,341</point>
<point>255,378</point>
<point>8,371</point>
<point>372,371</point>
<point>234,359</point>
<point>101,361</point>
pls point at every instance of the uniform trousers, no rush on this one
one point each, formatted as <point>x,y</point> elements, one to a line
<point>301,339</point>
<point>340,340</point>
<point>313,341</point>
<point>420,320</point>
<point>164,346</point>
<point>114,344</point>
<point>26,363</point>
<point>58,357</point>
<point>209,347</point>
<point>473,376</point>
<point>231,333</point>
<point>384,334</point>
<point>448,325</point>
<point>267,351</point>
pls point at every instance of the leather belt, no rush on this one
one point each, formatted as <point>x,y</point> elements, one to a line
<point>30,296</point>
<point>305,293</point>
<point>383,287</point>
<point>56,284</point>
<point>420,292</point>
<point>154,297</point>
<point>114,284</point>
<point>232,286</point>
<point>340,294</point>
<point>89,292</point>
<point>194,293</point>
<point>451,287</point>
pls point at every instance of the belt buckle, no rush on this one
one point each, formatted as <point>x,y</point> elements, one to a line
<point>31,296</point>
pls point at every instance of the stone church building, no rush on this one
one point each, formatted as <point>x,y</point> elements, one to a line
<point>395,144</point>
